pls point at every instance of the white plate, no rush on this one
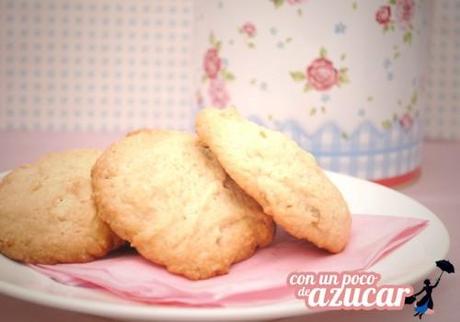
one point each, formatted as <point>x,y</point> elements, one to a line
<point>411,262</point>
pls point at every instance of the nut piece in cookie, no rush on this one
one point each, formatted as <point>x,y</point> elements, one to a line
<point>47,214</point>
<point>279,175</point>
<point>168,196</point>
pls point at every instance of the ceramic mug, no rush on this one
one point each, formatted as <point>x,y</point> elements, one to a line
<point>342,78</point>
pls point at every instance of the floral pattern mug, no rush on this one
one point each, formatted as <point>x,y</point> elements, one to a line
<point>343,78</point>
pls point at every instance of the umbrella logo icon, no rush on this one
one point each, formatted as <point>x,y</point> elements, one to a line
<point>425,304</point>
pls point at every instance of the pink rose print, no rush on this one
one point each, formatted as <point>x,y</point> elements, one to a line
<point>405,12</point>
<point>215,73</point>
<point>383,15</point>
<point>322,75</point>
<point>212,63</point>
<point>249,29</point>
<point>406,121</point>
<point>218,93</point>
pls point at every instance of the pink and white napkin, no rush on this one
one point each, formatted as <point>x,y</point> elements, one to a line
<point>260,278</point>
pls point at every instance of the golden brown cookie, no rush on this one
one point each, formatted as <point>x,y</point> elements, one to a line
<point>167,194</point>
<point>281,176</point>
<point>47,214</point>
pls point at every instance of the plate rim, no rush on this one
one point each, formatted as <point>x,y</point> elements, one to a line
<point>272,310</point>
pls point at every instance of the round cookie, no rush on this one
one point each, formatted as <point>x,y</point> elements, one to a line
<point>281,176</point>
<point>167,194</point>
<point>47,214</point>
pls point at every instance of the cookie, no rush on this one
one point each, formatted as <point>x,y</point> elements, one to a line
<point>279,175</point>
<point>47,214</point>
<point>169,197</point>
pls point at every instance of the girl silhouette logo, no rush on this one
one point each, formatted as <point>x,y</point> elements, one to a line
<point>425,304</point>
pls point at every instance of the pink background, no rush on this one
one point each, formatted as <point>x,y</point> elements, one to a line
<point>45,107</point>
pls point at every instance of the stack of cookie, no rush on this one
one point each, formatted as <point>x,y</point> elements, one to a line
<point>193,204</point>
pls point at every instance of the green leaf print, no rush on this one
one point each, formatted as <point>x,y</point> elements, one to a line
<point>386,124</point>
<point>343,76</point>
<point>307,87</point>
<point>323,52</point>
<point>278,3</point>
<point>407,37</point>
<point>227,75</point>
<point>297,76</point>
<point>413,99</point>
<point>212,39</point>
<point>214,42</point>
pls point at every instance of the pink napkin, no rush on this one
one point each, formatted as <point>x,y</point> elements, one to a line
<point>262,277</point>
